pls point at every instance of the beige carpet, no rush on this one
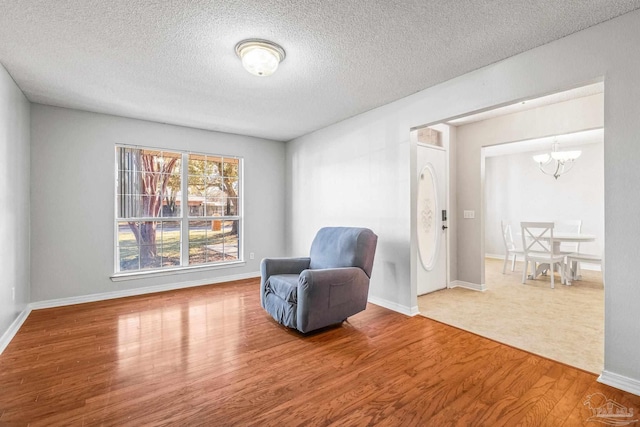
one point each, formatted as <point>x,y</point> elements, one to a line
<point>565,324</point>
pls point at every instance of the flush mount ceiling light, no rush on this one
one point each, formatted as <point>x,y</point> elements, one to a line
<point>260,57</point>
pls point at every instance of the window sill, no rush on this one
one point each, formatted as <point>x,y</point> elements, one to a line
<point>120,277</point>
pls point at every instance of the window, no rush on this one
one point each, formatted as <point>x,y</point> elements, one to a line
<point>156,228</point>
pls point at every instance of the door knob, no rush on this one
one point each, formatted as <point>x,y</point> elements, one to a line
<point>444,227</point>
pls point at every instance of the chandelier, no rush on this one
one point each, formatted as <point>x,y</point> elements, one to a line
<point>556,162</point>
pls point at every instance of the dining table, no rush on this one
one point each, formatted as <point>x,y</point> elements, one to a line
<point>558,239</point>
<point>561,237</point>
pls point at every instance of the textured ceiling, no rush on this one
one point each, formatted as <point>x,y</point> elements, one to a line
<point>174,61</point>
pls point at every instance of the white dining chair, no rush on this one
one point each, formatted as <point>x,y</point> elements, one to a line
<point>537,241</point>
<point>578,257</point>
<point>570,226</point>
<point>510,247</point>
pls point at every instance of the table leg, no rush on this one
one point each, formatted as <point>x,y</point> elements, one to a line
<point>573,271</point>
<point>542,269</point>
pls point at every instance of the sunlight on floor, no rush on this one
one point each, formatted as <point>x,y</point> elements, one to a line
<point>565,324</point>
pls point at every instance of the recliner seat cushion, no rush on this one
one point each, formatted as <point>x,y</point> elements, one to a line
<point>285,286</point>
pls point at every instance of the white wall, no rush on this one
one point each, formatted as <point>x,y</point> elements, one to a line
<point>372,148</point>
<point>14,200</point>
<point>337,180</point>
<point>72,198</point>
<point>515,189</point>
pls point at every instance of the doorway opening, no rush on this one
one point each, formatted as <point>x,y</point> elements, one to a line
<point>565,323</point>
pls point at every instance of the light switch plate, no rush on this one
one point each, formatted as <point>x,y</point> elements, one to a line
<point>469,214</point>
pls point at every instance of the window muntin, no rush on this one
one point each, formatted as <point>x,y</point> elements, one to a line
<point>153,229</point>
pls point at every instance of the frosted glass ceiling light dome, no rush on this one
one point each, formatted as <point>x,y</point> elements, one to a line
<point>260,57</point>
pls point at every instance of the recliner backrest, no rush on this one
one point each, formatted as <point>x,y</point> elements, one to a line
<point>335,247</point>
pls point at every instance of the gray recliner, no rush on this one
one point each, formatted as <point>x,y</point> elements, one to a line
<point>325,288</point>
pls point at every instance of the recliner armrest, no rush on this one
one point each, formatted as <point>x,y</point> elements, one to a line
<point>328,276</point>
<point>271,266</point>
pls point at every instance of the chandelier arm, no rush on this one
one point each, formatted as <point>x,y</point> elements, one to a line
<point>561,167</point>
<point>558,172</point>
<point>542,166</point>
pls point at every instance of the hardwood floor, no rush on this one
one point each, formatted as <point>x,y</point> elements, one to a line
<point>211,356</point>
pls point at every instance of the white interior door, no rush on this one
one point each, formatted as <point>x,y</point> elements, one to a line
<point>431,227</point>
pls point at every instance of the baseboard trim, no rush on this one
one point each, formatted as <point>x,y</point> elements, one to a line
<point>403,309</point>
<point>620,382</point>
<point>13,328</point>
<point>468,285</point>
<point>60,302</point>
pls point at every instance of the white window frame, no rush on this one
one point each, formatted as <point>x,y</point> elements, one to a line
<point>183,219</point>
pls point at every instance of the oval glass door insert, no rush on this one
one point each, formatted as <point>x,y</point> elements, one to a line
<point>427,217</point>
